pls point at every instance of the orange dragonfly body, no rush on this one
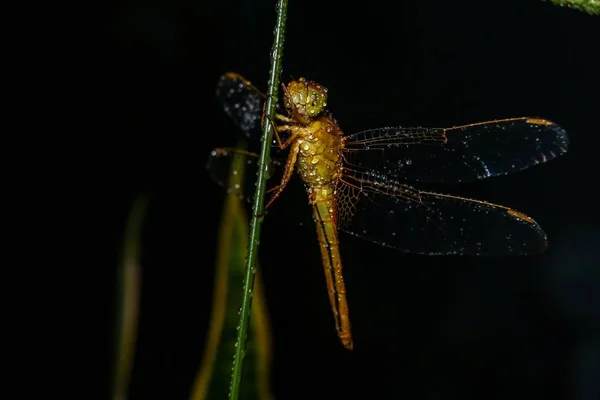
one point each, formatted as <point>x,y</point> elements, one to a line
<point>356,183</point>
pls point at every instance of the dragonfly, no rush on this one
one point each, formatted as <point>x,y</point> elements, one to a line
<point>366,184</point>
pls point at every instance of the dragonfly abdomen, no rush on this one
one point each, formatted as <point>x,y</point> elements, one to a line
<point>324,214</point>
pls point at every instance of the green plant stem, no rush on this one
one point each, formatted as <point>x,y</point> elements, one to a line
<point>258,207</point>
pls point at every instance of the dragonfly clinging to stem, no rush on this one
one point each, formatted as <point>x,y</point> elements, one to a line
<point>361,183</point>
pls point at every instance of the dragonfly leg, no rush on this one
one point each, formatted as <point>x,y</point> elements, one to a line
<point>287,174</point>
<point>283,128</point>
<point>283,118</point>
<point>272,125</point>
<point>225,150</point>
<point>294,133</point>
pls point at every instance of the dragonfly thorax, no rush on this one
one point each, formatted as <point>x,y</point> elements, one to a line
<point>318,160</point>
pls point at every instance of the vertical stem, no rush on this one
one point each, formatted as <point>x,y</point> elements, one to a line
<point>258,207</point>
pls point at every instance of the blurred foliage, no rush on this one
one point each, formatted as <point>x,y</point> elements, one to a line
<point>212,381</point>
<point>128,301</point>
<point>588,6</point>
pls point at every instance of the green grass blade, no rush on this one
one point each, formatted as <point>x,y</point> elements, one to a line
<point>128,292</point>
<point>214,373</point>
<point>258,207</point>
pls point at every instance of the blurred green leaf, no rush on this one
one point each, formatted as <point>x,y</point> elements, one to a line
<point>212,381</point>
<point>588,6</point>
<point>128,299</point>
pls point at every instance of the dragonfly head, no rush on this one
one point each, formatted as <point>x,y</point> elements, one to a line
<point>305,99</point>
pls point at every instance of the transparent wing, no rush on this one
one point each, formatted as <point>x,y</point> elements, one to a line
<point>459,154</point>
<point>380,210</point>
<point>242,102</point>
<point>222,163</point>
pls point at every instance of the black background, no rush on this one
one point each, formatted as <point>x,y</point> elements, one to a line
<point>142,77</point>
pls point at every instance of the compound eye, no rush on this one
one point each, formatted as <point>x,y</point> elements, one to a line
<point>316,100</point>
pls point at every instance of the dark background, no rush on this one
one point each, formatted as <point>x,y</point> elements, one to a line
<point>142,77</point>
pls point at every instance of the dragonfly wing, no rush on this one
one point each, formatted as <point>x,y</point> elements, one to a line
<point>223,163</point>
<point>242,102</point>
<point>398,216</point>
<point>458,154</point>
